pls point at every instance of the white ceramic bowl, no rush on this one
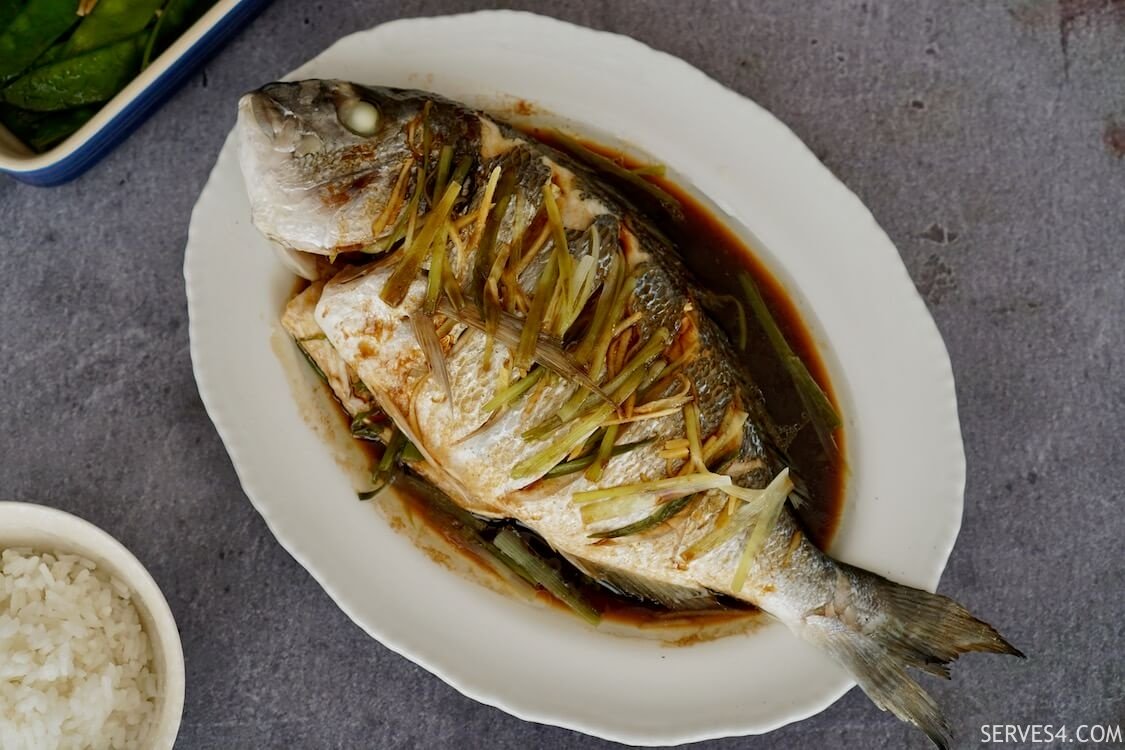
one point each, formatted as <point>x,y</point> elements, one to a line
<point>46,529</point>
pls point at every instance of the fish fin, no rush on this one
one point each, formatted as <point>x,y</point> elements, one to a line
<point>878,629</point>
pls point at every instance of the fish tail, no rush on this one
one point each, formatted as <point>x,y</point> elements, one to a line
<point>878,629</point>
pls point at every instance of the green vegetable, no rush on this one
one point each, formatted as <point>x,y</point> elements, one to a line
<point>387,466</point>
<point>508,548</point>
<point>529,336</point>
<point>438,500</point>
<point>513,391</point>
<point>54,53</point>
<point>612,502</point>
<point>438,251</point>
<point>406,218</point>
<point>821,413</point>
<point>410,453</point>
<point>394,292</point>
<point>545,350</point>
<point>537,571</point>
<point>501,198</point>
<point>84,79</point>
<point>42,130</point>
<point>32,31</point>
<point>461,171</point>
<point>445,162</point>
<point>662,514</point>
<point>361,424</point>
<point>109,22</point>
<point>579,402</point>
<point>518,558</point>
<point>316,368</point>
<point>603,454</point>
<point>756,504</point>
<point>757,540</point>
<point>580,463</point>
<point>8,10</point>
<point>580,429</point>
<point>174,19</point>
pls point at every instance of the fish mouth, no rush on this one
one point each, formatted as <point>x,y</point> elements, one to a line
<point>283,130</point>
<point>263,112</point>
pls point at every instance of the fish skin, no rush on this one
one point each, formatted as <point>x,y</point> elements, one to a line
<point>324,202</point>
<point>875,628</point>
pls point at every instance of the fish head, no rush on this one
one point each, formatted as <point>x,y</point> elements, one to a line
<point>322,158</point>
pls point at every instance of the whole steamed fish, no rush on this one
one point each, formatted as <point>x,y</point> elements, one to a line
<point>518,312</point>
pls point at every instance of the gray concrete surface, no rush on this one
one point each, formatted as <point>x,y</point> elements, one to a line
<point>987,137</point>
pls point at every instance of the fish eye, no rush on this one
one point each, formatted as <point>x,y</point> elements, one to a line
<point>358,116</point>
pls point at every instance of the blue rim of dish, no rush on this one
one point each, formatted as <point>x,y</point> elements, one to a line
<point>133,114</point>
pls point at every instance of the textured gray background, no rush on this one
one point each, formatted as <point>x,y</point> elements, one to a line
<point>988,139</point>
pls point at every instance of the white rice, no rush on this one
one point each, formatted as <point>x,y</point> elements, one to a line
<point>75,664</point>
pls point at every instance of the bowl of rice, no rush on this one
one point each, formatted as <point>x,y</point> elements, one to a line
<point>90,656</point>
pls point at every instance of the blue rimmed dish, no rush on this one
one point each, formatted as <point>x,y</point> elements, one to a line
<point>125,111</point>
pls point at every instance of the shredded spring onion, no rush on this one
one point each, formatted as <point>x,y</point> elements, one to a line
<point>394,292</point>
<point>525,351</point>
<point>542,574</point>
<point>691,425</point>
<point>435,357</point>
<point>652,349</point>
<point>663,489</point>
<point>580,463</point>
<point>616,507</point>
<point>762,527</point>
<point>580,429</point>
<point>546,351</point>
<point>395,200</point>
<point>363,429</point>
<point>445,161</point>
<point>755,503</point>
<point>610,291</point>
<point>816,402</point>
<point>437,270</point>
<point>312,363</point>
<point>659,516</point>
<point>605,450</point>
<point>387,465</point>
<point>513,391</point>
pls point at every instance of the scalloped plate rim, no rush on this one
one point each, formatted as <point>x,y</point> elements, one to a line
<point>879,249</point>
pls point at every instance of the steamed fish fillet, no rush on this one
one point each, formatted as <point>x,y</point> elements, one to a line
<point>488,238</point>
<point>392,366</point>
<point>299,321</point>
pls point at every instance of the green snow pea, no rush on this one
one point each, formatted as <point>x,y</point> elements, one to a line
<point>84,79</point>
<point>8,11</point>
<point>174,19</point>
<point>42,130</point>
<point>32,31</point>
<point>54,53</point>
<point>109,22</point>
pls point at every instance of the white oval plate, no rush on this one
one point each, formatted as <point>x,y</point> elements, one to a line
<point>889,366</point>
